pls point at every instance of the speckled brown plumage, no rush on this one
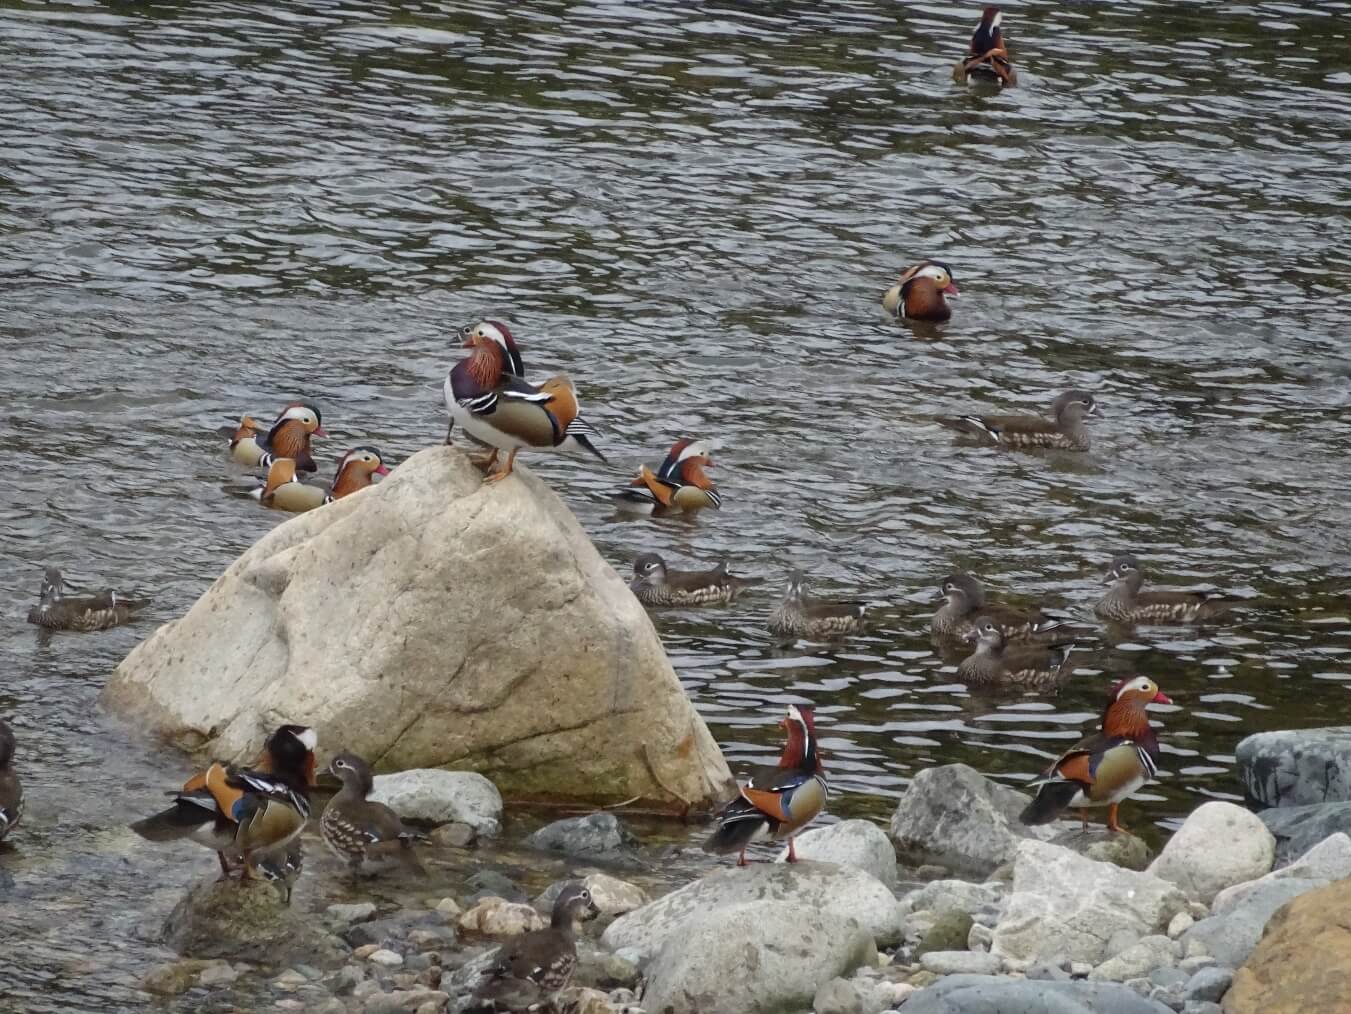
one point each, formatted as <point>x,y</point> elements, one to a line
<point>800,615</point>
<point>964,599</point>
<point>657,585</point>
<point>1126,603</point>
<point>56,610</point>
<point>1065,430</point>
<point>355,828</point>
<point>993,663</point>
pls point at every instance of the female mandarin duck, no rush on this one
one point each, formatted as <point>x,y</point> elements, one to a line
<point>11,792</point>
<point>288,437</point>
<point>920,291</point>
<point>285,491</point>
<point>989,56</point>
<point>244,813</point>
<point>1065,430</point>
<point>488,396</point>
<point>776,802</point>
<point>964,600</point>
<point>58,610</point>
<point>678,484</point>
<point>1126,603</point>
<point>657,585</point>
<point>356,829</point>
<point>801,615</point>
<point>1030,667</point>
<point>1108,766</point>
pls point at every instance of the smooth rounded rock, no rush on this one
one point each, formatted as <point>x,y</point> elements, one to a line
<point>1218,845</point>
<point>1138,960</point>
<point>1208,984</point>
<point>1230,936</point>
<point>609,894</point>
<point>961,963</point>
<point>1299,828</point>
<point>1327,861</point>
<point>1296,767</point>
<point>244,921</point>
<point>499,918</point>
<point>858,843</point>
<point>984,994</point>
<point>439,797</point>
<point>594,836</point>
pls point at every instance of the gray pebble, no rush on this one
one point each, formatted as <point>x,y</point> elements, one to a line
<point>1208,984</point>
<point>1168,976</point>
<point>1201,1007</point>
<point>1047,970</point>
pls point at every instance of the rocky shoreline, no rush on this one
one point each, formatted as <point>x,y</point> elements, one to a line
<point>979,910</point>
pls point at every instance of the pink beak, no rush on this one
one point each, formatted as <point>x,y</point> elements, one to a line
<point>382,470</point>
<point>950,290</point>
<point>319,431</point>
<point>1160,698</point>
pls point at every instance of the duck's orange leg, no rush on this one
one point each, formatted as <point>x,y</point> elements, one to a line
<point>485,460</point>
<point>1112,824</point>
<point>792,853</point>
<point>506,469</point>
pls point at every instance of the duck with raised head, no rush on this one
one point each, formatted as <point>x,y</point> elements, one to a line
<point>964,599</point>
<point>284,490</point>
<point>919,294</point>
<point>59,610</point>
<point>988,56</point>
<point>244,813</point>
<point>287,437</point>
<point>1126,603</point>
<point>1029,667</point>
<point>11,789</point>
<point>490,399</point>
<point>1065,430</point>
<point>776,802</point>
<point>802,615</point>
<point>356,828</point>
<point>531,970</point>
<point>655,584</point>
<point>1107,767</point>
<point>679,484</point>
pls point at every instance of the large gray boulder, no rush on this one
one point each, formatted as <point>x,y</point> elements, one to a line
<point>858,843</point>
<point>1297,767</point>
<point>439,797</point>
<point>988,994</point>
<point>1219,845</point>
<point>839,891</point>
<point>754,957</point>
<point>433,621</point>
<point>1230,936</point>
<point>1327,861</point>
<point>1299,828</point>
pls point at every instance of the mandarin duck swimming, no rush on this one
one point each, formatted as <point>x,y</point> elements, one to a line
<point>356,828</point>
<point>496,406</point>
<point>776,802</point>
<point>919,293</point>
<point>242,813</point>
<point>1126,603</point>
<point>655,584</point>
<point>679,483</point>
<point>11,790</point>
<point>287,437</point>
<point>58,610</point>
<point>285,491</point>
<point>1108,766</point>
<point>1030,667</point>
<point>529,971</point>
<point>988,56</point>
<point>964,599</point>
<point>801,615</point>
<point>1065,430</point>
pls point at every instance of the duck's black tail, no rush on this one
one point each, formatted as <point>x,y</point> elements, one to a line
<point>739,824</point>
<point>1052,799</point>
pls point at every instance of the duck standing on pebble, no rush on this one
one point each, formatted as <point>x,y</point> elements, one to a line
<point>964,599</point>
<point>11,790</point>
<point>988,56</point>
<point>776,802</point>
<point>679,483</point>
<point>1108,766</point>
<point>1065,430</point>
<point>356,828</point>
<point>285,491</point>
<point>800,615</point>
<point>1126,603</point>
<point>1030,667</point>
<point>919,293</point>
<point>57,610</point>
<point>655,584</point>
<point>531,970</point>
<point>288,437</point>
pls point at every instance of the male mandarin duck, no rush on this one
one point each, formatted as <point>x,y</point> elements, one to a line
<point>776,802</point>
<point>989,56</point>
<point>678,484</point>
<point>920,291</point>
<point>488,396</point>
<point>655,584</point>
<point>964,599</point>
<point>57,610</point>
<point>1065,430</point>
<point>801,615</point>
<point>1126,603</point>
<point>11,791</point>
<point>285,491</point>
<point>1108,766</point>
<point>529,971</point>
<point>287,437</point>
<point>1030,667</point>
<point>243,813</point>
<point>356,828</point>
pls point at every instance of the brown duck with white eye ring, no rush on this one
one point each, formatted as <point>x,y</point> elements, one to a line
<point>1065,430</point>
<point>657,585</point>
<point>918,293</point>
<point>801,615</point>
<point>58,610</point>
<point>1028,667</point>
<point>964,601</point>
<point>1126,603</point>
<point>356,828</point>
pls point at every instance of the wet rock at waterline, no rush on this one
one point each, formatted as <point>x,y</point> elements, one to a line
<point>246,921</point>
<point>433,621</point>
<point>1299,828</point>
<point>1296,767</point>
<point>442,797</point>
<point>964,994</point>
<point>596,836</point>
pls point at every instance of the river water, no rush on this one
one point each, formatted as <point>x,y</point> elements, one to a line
<point>692,209</point>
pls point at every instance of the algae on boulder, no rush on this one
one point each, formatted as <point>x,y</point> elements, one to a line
<point>434,621</point>
<point>245,921</point>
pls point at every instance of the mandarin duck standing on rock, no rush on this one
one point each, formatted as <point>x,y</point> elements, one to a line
<point>11,791</point>
<point>678,484</point>
<point>57,610</point>
<point>919,293</point>
<point>530,970</point>
<point>801,615</point>
<point>1065,430</point>
<point>287,437</point>
<point>988,57</point>
<point>282,867</point>
<point>1030,667</point>
<point>657,585</point>
<point>1108,766</point>
<point>285,491</point>
<point>1126,603</point>
<point>242,813</point>
<point>495,405</point>
<point>776,802</point>
<point>964,599</point>
<point>356,828</point>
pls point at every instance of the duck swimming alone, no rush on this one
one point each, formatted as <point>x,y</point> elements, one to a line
<point>1126,603</point>
<point>988,57</point>
<point>920,291</point>
<point>57,610</point>
<point>287,437</point>
<point>285,491</point>
<point>678,485</point>
<point>1065,430</point>
<point>657,585</point>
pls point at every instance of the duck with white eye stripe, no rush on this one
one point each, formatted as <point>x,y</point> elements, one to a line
<point>286,491</point>
<point>1126,603</point>
<point>287,437</point>
<point>1066,430</point>
<point>679,485</point>
<point>919,293</point>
